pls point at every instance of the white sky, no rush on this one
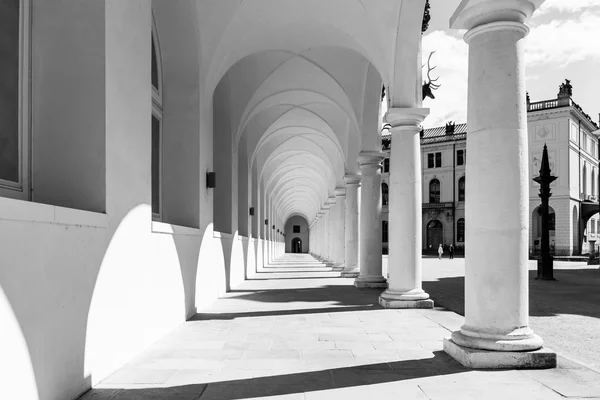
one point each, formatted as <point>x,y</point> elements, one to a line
<point>564,43</point>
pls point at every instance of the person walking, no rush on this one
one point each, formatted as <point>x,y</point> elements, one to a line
<point>440,251</point>
<point>451,251</point>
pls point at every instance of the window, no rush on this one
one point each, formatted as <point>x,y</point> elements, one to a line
<point>460,230</point>
<point>296,228</point>
<point>461,189</point>
<point>461,157</point>
<point>384,231</point>
<point>434,160</point>
<point>14,99</point>
<point>386,165</point>
<point>584,178</point>
<point>434,191</point>
<point>384,194</point>
<point>157,139</point>
<point>593,226</point>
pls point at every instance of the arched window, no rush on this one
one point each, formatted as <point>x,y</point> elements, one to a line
<point>384,231</point>
<point>461,189</point>
<point>434,191</point>
<point>460,230</point>
<point>384,194</point>
<point>157,116</point>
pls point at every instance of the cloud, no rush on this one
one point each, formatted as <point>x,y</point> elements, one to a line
<point>570,6</point>
<point>551,45</point>
<point>559,43</point>
<point>451,58</point>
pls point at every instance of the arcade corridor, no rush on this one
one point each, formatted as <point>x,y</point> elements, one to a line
<point>298,331</point>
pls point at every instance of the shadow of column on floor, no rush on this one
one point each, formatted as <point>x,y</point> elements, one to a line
<point>328,379</point>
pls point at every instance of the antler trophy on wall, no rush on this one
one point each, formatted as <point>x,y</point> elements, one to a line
<point>430,86</point>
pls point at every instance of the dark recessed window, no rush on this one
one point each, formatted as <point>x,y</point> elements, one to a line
<point>434,191</point>
<point>461,189</point>
<point>434,160</point>
<point>386,165</point>
<point>384,194</point>
<point>156,167</point>
<point>384,231</point>
<point>296,228</point>
<point>10,160</point>
<point>461,157</point>
<point>460,230</point>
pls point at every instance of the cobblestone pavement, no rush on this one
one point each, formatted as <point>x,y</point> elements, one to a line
<point>321,338</point>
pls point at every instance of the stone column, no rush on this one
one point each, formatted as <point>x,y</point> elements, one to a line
<point>496,272</point>
<point>332,229</point>
<point>370,222</point>
<point>319,239</point>
<point>351,227</point>
<point>340,245</point>
<point>405,212</point>
<point>325,233</point>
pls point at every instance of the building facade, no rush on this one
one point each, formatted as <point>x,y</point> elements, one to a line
<point>565,129</point>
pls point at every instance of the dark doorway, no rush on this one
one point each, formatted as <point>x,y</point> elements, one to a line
<point>296,245</point>
<point>435,234</point>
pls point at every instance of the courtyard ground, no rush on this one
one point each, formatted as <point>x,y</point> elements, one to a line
<point>295,332</point>
<point>565,313</point>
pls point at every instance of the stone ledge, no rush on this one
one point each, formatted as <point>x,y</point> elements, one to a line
<point>402,304</point>
<point>484,359</point>
<point>350,274</point>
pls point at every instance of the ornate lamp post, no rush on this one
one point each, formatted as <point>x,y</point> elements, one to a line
<point>545,264</point>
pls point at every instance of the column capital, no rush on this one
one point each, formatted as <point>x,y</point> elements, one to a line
<point>370,158</point>
<point>406,118</point>
<point>497,26</point>
<point>473,13</point>
<point>340,192</point>
<point>352,180</point>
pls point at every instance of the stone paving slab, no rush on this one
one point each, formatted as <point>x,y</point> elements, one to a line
<point>323,339</point>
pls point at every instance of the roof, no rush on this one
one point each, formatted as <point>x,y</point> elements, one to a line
<point>437,135</point>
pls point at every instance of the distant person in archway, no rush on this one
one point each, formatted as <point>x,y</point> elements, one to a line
<point>451,251</point>
<point>440,251</point>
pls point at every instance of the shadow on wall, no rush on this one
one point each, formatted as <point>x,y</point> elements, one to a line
<point>77,302</point>
<point>439,364</point>
<point>16,368</point>
<point>138,291</point>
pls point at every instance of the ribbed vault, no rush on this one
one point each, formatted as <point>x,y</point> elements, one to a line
<point>294,97</point>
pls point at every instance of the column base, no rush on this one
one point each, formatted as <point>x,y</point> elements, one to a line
<point>370,282</point>
<point>401,304</point>
<point>486,359</point>
<point>350,274</point>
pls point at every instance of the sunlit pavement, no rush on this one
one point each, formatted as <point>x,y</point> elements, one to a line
<point>321,338</point>
<point>566,313</point>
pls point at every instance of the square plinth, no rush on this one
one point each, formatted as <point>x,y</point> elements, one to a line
<point>350,274</point>
<point>388,303</point>
<point>370,285</point>
<point>486,359</point>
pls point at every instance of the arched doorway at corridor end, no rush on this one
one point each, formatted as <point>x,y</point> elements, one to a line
<point>297,235</point>
<point>296,245</point>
